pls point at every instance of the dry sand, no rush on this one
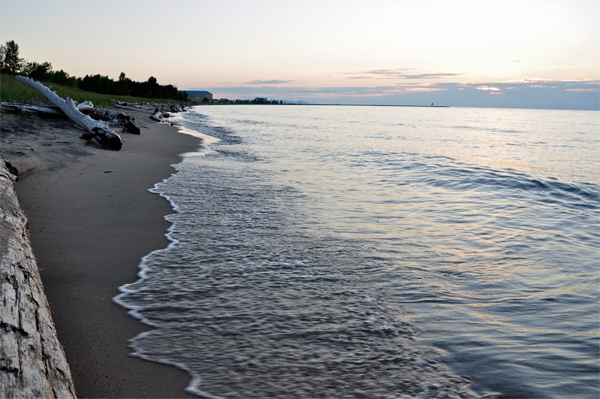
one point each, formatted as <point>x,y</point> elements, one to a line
<point>91,220</point>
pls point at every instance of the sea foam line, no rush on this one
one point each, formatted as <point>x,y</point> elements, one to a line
<point>133,311</point>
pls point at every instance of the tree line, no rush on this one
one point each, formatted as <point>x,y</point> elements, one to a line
<point>11,63</point>
<point>256,100</point>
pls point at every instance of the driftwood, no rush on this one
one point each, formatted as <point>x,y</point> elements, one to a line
<point>128,123</point>
<point>149,111</point>
<point>32,361</point>
<point>157,116</point>
<point>105,115</point>
<point>115,118</point>
<point>98,129</point>
<point>32,109</point>
<point>165,111</point>
<point>85,106</point>
<point>173,108</point>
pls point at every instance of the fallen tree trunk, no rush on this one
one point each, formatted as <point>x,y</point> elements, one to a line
<point>157,116</point>
<point>134,108</point>
<point>115,118</point>
<point>105,115</point>
<point>32,361</point>
<point>128,123</point>
<point>85,106</point>
<point>98,129</point>
<point>32,109</point>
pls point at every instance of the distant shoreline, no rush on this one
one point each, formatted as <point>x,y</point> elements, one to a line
<point>381,105</point>
<point>341,105</point>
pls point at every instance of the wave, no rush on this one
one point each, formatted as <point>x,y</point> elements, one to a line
<point>335,262</point>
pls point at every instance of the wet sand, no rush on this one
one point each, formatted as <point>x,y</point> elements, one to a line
<point>91,220</point>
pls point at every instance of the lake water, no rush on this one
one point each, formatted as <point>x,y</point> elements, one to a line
<point>379,252</point>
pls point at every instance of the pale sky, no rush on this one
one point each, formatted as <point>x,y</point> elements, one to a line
<point>372,52</point>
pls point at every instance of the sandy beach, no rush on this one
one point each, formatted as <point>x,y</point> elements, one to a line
<point>91,219</point>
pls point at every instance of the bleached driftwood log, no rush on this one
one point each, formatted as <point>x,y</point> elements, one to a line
<point>149,111</point>
<point>157,116</point>
<point>128,123</point>
<point>98,129</point>
<point>32,109</point>
<point>159,109</point>
<point>85,106</point>
<point>115,119</point>
<point>106,115</point>
<point>32,361</point>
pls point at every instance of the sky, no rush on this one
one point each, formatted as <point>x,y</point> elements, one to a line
<point>522,54</point>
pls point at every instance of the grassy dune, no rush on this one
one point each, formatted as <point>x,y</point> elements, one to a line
<point>13,91</point>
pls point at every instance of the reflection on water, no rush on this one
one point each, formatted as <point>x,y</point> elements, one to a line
<point>320,248</point>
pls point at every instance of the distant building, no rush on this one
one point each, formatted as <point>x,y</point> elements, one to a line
<point>200,96</point>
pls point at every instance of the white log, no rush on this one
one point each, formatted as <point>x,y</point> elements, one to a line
<point>133,108</point>
<point>17,108</point>
<point>99,129</point>
<point>32,361</point>
<point>85,106</point>
<point>157,116</point>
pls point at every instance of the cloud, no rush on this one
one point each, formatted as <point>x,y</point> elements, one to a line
<point>307,93</point>
<point>268,82</point>
<point>399,73</point>
<point>387,72</point>
<point>432,75</point>
<point>488,88</point>
<point>370,92</point>
<point>555,94</point>
<point>587,90</point>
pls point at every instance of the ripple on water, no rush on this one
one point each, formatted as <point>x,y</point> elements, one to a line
<point>319,258</point>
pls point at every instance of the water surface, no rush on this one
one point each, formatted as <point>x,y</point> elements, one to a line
<point>380,252</point>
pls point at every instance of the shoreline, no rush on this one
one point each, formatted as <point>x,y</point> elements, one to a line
<point>91,220</point>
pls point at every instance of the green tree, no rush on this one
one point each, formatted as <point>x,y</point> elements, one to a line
<point>37,71</point>
<point>12,63</point>
<point>183,96</point>
<point>2,52</point>
<point>60,77</point>
<point>123,83</point>
<point>259,100</point>
<point>151,87</point>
